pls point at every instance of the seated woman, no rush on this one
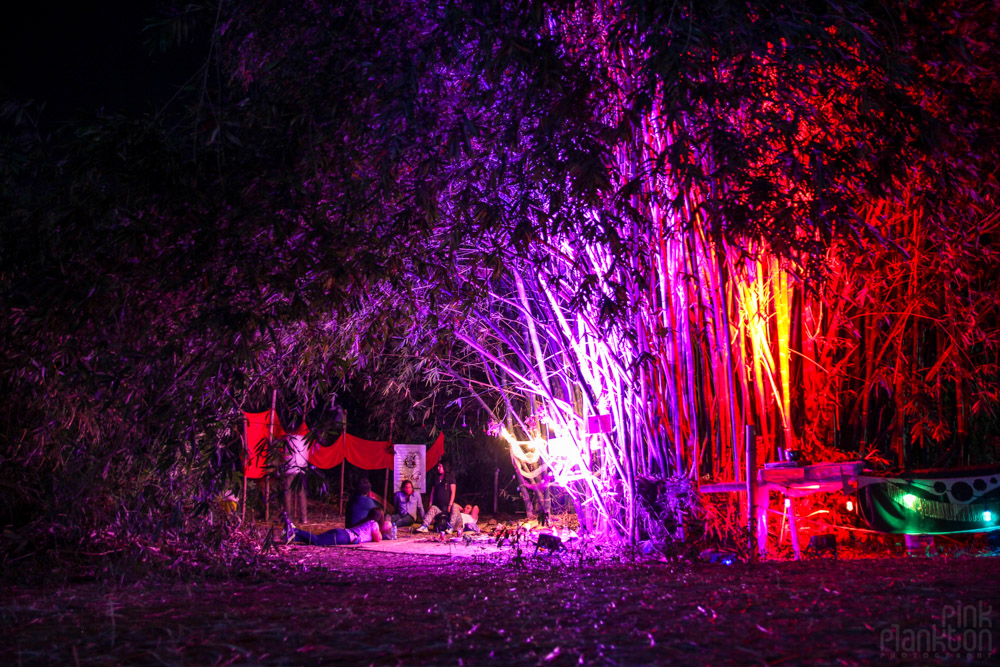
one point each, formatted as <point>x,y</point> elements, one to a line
<point>369,531</point>
<point>409,506</point>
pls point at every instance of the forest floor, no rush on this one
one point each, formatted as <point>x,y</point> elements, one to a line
<point>443,604</point>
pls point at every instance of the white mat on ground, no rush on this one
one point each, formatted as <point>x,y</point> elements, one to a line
<point>427,546</point>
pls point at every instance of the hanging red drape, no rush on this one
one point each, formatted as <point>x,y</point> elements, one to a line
<point>368,454</point>
<point>436,451</point>
<point>365,454</point>
<point>303,429</point>
<point>258,436</point>
<point>327,456</point>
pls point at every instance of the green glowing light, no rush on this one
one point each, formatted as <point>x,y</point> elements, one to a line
<point>909,500</point>
<point>987,516</point>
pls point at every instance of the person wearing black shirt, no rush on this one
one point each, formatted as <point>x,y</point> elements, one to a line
<point>443,501</point>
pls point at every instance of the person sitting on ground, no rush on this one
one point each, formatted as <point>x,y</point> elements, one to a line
<point>370,530</point>
<point>470,518</point>
<point>360,504</point>
<point>409,506</point>
<point>443,501</point>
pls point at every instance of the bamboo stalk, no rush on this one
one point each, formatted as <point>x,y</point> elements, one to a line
<point>343,464</point>
<point>270,444</point>
<point>866,387</point>
<point>793,527</point>
<point>751,482</point>
<point>783,322</point>
<point>246,451</point>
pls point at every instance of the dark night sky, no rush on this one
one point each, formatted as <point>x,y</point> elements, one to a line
<point>83,57</point>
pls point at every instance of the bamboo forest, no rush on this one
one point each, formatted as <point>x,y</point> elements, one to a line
<point>692,306</point>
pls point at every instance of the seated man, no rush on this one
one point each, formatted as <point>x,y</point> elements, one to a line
<point>443,501</point>
<point>369,531</point>
<point>360,504</point>
<point>409,506</point>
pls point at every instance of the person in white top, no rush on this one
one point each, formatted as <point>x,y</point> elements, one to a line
<point>470,518</point>
<point>293,476</point>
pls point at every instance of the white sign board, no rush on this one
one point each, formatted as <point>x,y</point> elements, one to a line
<point>410,463</point>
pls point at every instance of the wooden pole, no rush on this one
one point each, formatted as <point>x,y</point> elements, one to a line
<point>763,500</point>
<point>751,463</point>
<point>496,490</point>
<point>303,500</point>
<point>343,464</point>
<point>385,487</point>
<point>793,527</point>
<point>267,499</point>
<point>270,443</point>
<point>246,451</point>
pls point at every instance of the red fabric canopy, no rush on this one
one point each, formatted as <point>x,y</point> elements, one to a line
<point>369,454</point>
<point>303,429</point>
<point>326,457</point>
<point>436,451</point>
<point>258,435</point>
<point>366,454</point>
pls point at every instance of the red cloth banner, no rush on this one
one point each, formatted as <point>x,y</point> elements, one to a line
<point>327,456</point>
<point>258,436</point>
<point>303,429</point>
<point>368,454</point>
<point>365,454</point>
<point>435,453</point>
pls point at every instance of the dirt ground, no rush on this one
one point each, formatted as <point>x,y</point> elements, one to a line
<point>436,605</point>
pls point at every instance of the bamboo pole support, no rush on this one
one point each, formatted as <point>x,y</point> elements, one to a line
<point>751,481</point>
<point>762,502</point>
<point>246,450</point>
<point>343,464</point>
<point>270,443</point>
<point>267,499</point>
<point>303,500</point>
<point>793,527</point>
<point>385,486</point>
